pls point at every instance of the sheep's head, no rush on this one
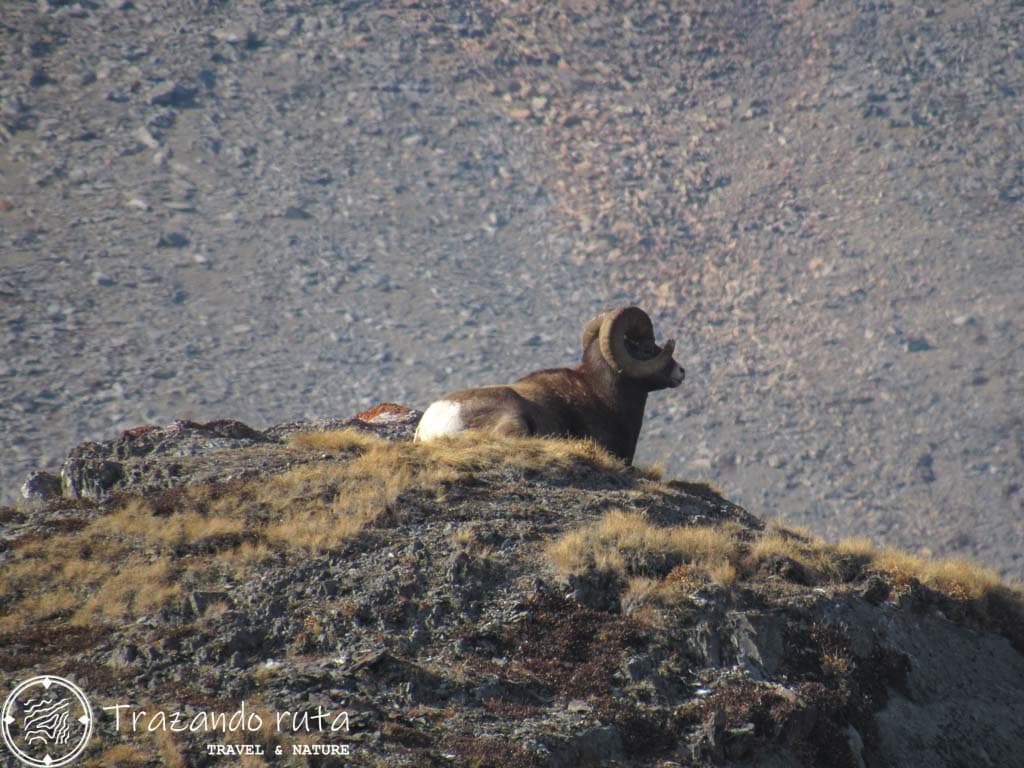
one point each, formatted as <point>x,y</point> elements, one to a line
<point>626,338</point>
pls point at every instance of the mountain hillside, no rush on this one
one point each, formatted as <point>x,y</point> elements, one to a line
<point>267,210</point>
<point>346,597</point>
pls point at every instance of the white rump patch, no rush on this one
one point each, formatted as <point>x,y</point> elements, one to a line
<point>440,419</point>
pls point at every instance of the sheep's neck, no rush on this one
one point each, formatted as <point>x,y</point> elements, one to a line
<point>623,401</point>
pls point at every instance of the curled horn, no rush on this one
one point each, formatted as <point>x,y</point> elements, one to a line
<point>592,330</point>
<point>632,322</point>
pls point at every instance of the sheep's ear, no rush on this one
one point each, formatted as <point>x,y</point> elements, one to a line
<point>669,347</point>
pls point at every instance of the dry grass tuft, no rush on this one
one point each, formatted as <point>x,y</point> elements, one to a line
<point>135,588</point>
<point>819,563</point>
<point>626,543</point>
<point>662,566</point>
<point>832,642</point>
<point>654,472</point>
<point>959,579</point>
<point>170,750</point>
<point>121,756</point>
<point>475,450</point>
<point>342,441</point>
<point>643,593</point>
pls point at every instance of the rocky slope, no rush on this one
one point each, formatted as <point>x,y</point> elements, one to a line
<point>282,210</point>
<point>516,603</point>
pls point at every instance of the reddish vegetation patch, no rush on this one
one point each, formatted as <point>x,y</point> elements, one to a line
<point>574,650</point>
<point>510,710</point>
<point>809,722</point>
<point>644,731</point>
<point>489,752</point>
<point>11,515</point>
<point>165,503</point>
<point>47,644</point>
<point>579,653</point>
<point>743,701</point>
<point>398,733</point>
<point>134,432</point>
<point>382,409</point>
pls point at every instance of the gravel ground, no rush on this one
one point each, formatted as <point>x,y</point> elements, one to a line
<point>270,211</point>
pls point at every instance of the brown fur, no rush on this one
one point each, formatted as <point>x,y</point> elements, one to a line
<point>588,401</point>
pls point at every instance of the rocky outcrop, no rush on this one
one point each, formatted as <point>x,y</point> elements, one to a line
<point>150,457</point>
<point>445,633</point>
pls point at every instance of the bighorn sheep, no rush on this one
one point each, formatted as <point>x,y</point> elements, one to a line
<point>602,398</point>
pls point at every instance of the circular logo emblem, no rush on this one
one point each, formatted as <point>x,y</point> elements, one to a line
<point>46,722</point>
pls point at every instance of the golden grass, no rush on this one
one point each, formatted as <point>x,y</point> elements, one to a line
<point>369,484</point>
<point>958,578</point>
<point>467,539</point>
<point>120,756</point>
<point>160,747</point>
<point>241,559</point>
<point>88,589</point>
<point>722,573</point>
<point>137,588</point>
<point>468,451</point>
<point>720,555</point>
<point>342,440</point>
<point>820,563</point>
<point>473,451</point>
<point>137,520</point>
<point>170,750</point>
<point>620,536</point>
<point>643,593</point>
<point>133,559</point>
<point>653,471</point>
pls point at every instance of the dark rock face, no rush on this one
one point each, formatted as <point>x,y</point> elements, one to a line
<point>41,485</point>
<point>150,457</point>
<point>443,633</point>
